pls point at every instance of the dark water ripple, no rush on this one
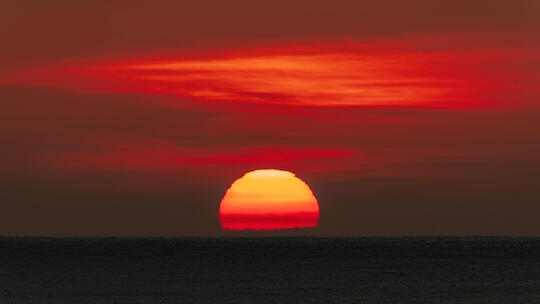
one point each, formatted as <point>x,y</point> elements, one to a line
<point>270,270</point>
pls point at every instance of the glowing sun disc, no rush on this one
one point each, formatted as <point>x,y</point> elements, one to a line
<point>266,200</point>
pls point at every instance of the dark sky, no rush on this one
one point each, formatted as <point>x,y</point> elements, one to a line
<point>132,118</point>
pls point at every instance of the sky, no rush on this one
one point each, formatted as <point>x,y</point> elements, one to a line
<point>405,118</point>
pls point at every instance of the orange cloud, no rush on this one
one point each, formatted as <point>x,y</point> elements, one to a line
<point>323,75</point>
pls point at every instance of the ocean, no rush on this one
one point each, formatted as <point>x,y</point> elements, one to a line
<point>270,270</point>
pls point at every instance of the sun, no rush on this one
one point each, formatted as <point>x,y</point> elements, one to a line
<point>268,199</point>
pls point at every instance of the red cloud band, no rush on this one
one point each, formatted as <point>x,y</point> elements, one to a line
<point>322,75</point>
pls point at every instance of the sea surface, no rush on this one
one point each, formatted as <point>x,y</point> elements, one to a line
<point>270,270</point>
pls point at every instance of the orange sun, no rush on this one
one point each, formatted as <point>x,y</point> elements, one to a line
<point>266,200</point>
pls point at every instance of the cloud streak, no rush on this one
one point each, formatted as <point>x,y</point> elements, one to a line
<point>322,75</point>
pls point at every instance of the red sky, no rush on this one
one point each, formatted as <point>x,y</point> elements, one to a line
<point>132,119</point>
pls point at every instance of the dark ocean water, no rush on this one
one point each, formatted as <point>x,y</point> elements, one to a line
<point>270,270</point>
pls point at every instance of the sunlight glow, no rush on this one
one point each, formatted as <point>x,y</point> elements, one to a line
<point>268,199</point>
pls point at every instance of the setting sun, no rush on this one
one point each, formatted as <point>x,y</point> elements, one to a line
<point>266,200</point>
